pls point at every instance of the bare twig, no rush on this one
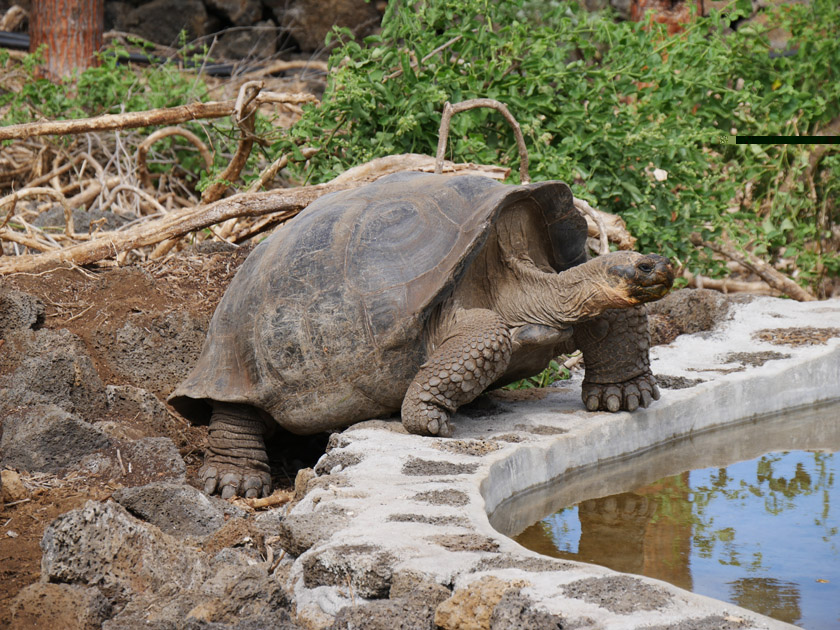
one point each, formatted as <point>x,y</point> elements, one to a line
<point>86,197</point>
<point>150,118</point>
<point>244,114</point>
<point>18,502</point>
<point>278,497</point>
<point>140,193</point>
<point>415,64</point>
<point>277,562</point>
<point>589,212</point>
<point>283,66</point>
<point>60,170</point>
<point>26,241</point>
<point>767,273</point>
<point>49,192</point>
<point>443,135</point>
<point>270,172</point>
<point>143,149</point>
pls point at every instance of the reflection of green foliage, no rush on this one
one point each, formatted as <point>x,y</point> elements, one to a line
<point>779,494</point>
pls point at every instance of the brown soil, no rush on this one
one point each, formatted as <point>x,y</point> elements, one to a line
<point>95,304</point>
<point>20,556</point>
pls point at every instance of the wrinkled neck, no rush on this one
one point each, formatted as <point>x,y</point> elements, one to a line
<point>560,299</point>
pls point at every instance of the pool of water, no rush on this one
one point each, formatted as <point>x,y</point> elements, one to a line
<point>747,514</point>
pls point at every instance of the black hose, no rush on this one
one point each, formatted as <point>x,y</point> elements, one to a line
<point>20,41</point>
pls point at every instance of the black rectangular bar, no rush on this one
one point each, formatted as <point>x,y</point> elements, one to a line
<point>787,139</point>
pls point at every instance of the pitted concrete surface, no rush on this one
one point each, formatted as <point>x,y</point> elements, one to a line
<point>418,506</point>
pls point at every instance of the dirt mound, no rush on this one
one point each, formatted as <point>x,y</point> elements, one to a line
<point>87,358</point>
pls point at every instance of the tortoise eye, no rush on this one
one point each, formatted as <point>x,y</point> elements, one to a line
<point>645,267</point>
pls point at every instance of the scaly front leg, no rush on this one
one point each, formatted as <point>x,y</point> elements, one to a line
<point>615,350</point>
<point>475,352</point>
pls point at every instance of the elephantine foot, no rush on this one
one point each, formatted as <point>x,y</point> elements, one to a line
<point>426,418</point>
<point>474,353</point>
<point>236,463</point>
<point>230,481</point>
<point>627,396</point>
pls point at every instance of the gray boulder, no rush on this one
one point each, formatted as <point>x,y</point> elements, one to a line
<point>19,311</point>
<point>45,438</point>
<point>51,367</point>
<point>685,312</point>
<point>177,509</point>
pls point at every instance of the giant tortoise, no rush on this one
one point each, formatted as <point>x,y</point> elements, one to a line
<point>413,293</point>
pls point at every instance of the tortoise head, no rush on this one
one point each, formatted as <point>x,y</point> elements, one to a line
<point>638,277</point>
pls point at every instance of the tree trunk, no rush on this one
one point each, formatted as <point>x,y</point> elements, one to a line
<point>72,32</point>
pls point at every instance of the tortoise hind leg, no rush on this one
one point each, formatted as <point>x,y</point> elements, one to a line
<point>615,350</point>
<point>475,353</point>
<point>236,462</point>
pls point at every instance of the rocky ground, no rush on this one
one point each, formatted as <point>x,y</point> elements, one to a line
<point>87,358</point>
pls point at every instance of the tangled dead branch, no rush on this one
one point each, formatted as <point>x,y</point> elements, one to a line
<point>166,132</point>
<point>771,276</point>
<point>151,118</point>
<point>450,110</point>
<point>241,216</point>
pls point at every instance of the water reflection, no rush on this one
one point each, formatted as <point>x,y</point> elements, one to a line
<point>769,596</point>
<point>760,534</point>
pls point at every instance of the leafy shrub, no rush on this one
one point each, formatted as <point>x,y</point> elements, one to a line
<point>604,105</point>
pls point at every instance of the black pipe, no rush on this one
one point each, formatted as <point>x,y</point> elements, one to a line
<point>20,41</point>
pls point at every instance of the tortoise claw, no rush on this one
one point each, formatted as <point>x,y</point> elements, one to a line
<point>637,392</point>
<point>431,421</point>
<point>208,474</point>
<point>230,481</point>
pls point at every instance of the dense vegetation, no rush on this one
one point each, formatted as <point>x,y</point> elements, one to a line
<point>603,104</point>
<point>633,118</point>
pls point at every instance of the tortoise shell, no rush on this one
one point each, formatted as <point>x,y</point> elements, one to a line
<point>322,326</point>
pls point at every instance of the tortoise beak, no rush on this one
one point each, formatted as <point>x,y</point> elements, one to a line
<point>654,277</point>
<point>647,278</point>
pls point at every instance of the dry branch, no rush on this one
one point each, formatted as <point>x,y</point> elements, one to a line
<point>282,66</point>
<point>592,217</point>
<point>133,189</point>
<point>415,64</point>
<point>728,285</point>
<point>26,241</point>
<point>449,110</point>
<point>143,150</point>
<point>86,196</point>
<point>244,113</point>
<point>32,192</point>
<point>150,118</point>
<point>767,273</point>
<point>288,201</point>
<point>270,171</point>
<point>616,228</point>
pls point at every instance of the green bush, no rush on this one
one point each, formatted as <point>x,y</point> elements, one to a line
<point>602,105</point>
